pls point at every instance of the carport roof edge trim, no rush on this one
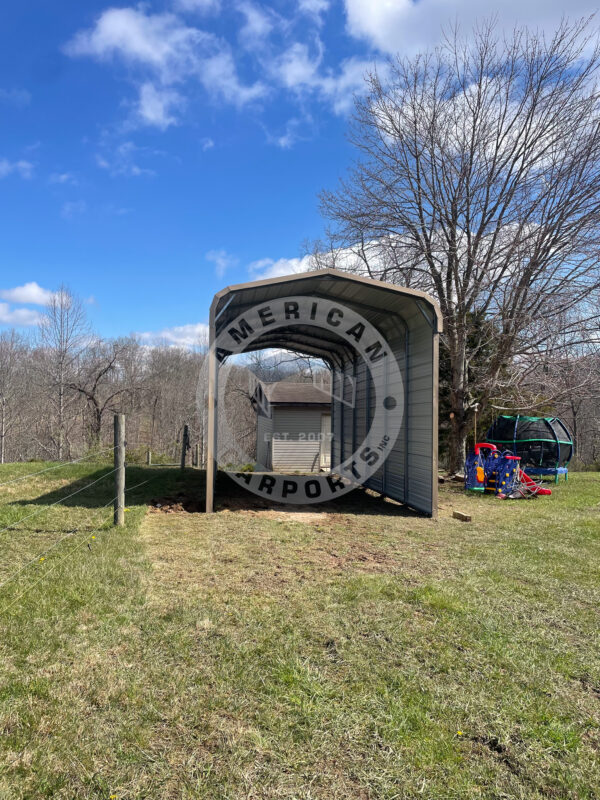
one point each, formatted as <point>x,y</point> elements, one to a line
<point>334,273</point>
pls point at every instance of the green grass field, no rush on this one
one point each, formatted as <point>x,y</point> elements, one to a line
<point>359,653</point>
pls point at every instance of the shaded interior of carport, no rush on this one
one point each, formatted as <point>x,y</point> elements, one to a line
<point>410,322</point>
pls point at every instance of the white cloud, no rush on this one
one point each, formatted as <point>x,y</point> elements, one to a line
<point>222,261</point>
<point>207,143</point>
<point>159,41</point>
<point>155,105</point>
<point>258,25</point>
<point>22,168</point>
<point>165,52</point>
<point>198,6</point>
<point>296,68</point>
<point>187,336</point>
<point>219,76</point>
<point>297,129</point>
<point>16,97</point>
<point>271,268</point>
<point>73,208</point>
<point>31,293</point>
<point>18,316</point>
<point>63,178</point>
<point>349,82</point>
<point>314,8</point>
<point>300,71</point>
<point>407,27</point>
<point>123,161</point>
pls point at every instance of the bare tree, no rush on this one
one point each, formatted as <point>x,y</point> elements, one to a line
<point>100,380</point>
<point>64,333</point>
<point>12,351</point>
<point>478,180</point>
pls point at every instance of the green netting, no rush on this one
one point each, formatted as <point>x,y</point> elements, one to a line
<point>539,441</point>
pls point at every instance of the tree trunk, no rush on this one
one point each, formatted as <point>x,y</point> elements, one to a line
<point>95,427</point>
<point>61,403</point>
<point>457,443</point>
<point>458,406</point>
<point>2,430</point>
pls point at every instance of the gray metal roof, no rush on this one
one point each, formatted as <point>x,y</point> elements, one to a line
<point>375,300</point>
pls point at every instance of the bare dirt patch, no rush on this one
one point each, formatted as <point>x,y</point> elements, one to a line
<point>252,506</point>
<point>176,505</point>
<point>359,557</point>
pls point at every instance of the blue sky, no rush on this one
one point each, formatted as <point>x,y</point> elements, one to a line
<point>151,154</point>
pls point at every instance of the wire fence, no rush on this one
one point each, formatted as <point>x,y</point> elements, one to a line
<point>40,557</point>
<point>118,501</point>
<point>59,465</point>
<point>57,502</point>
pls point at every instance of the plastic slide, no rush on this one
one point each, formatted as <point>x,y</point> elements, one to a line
<point>532,485</point>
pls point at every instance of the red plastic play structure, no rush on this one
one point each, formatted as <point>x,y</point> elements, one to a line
<point>533,487</point>
<point>499,473</point>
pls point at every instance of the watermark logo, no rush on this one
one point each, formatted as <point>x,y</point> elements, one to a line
<point>375,395</point>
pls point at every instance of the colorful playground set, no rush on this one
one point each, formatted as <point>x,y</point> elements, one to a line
<point>516,449</point>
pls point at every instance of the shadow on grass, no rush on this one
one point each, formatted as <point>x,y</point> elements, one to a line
<point>142,485</point>
<point>231,496</point>
<point>149,485</point>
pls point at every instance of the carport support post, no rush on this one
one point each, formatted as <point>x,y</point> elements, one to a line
<point>119,456</point>
<point>211,449</point>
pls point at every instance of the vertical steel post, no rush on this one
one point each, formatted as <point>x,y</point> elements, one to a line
<point>119,460</point>
<point>211,450</point>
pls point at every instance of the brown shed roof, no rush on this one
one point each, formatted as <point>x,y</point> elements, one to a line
<point>289,392</point>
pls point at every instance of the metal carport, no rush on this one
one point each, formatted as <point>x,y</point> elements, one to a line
<point>408,320</point>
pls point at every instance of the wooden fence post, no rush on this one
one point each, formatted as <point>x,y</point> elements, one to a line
<point>119,455</point>
<point>197,455</point>
<point>149,458</point>
<point>184,444</point>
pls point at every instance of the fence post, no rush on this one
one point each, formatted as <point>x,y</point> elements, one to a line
<point>119,504</point>
<point>184,444</point>
<point>149,458</point>
<point>197,454</point>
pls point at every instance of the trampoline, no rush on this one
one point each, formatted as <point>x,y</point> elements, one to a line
<point>543,444</point>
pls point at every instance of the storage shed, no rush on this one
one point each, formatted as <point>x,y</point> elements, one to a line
<point>384,383</point>
<point>293,427</point>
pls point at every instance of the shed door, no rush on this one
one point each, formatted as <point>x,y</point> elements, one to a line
<point>326,441</point>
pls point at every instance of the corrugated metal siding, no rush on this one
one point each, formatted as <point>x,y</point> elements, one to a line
<point>407,474</point>
<point>296,456</point>
<point>390,478</point>
<point>420,409</point>
<point>336,417</point>
<point>296,439</point>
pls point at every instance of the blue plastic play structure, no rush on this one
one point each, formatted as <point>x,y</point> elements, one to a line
<point>489,470</point>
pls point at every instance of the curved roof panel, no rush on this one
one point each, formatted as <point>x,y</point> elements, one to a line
<point>377,301</point>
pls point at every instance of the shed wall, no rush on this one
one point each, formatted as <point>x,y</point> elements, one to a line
<point>264,432</point>
<point>296,438</point>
